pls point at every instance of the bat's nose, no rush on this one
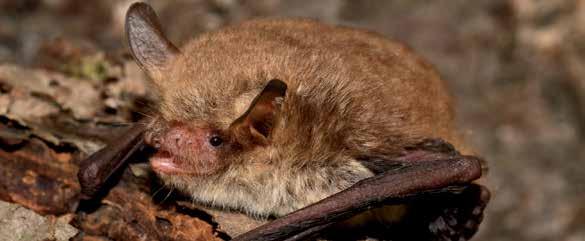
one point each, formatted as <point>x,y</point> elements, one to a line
<point>175,140</point>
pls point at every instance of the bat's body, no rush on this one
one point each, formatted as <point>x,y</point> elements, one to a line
<point>271,116</point>
<point>351,95</point>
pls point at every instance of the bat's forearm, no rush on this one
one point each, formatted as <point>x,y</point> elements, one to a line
<point>95,170</point>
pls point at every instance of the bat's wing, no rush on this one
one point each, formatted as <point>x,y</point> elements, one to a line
<point>95,170</point>
<point>450,216</point>
<point>434,171</point>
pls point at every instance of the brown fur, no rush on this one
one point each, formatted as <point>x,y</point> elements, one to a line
<point>351,93</point>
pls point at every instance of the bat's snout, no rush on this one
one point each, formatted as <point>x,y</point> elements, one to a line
<point>182,149</point>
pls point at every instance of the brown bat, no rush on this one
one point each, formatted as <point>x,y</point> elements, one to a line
<point>309,123</point>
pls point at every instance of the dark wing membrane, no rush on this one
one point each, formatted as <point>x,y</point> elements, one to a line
<point>452,215</point>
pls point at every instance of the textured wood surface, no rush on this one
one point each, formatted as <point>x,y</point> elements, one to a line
<point>41,150</point>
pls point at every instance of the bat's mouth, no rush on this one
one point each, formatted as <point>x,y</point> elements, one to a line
<point>163,162</point>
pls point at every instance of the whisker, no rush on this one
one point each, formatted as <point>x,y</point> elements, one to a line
<point>144,114</point>
<point>168,195</point>
<point>158,190</point>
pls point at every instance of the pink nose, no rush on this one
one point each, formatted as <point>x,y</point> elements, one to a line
<point>176,139</point>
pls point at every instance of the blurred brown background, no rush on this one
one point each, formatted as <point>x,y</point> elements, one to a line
<point>516,67</point>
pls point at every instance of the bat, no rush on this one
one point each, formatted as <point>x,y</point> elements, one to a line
<point>309,123</point>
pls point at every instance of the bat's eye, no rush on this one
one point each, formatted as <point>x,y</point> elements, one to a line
<point>215,141</point>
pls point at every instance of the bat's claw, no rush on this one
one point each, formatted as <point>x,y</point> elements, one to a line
<point>461,220</point>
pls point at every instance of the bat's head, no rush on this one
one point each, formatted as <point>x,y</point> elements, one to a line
<point>193,136</point>
<point>202,147</point>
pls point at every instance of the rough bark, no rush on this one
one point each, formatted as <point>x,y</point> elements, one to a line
<point>46,128</point>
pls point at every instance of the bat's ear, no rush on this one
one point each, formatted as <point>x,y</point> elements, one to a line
<point>256,124</point>
<point>148,44</point>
